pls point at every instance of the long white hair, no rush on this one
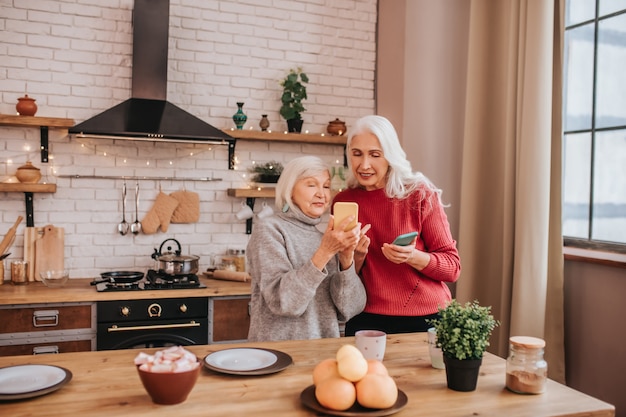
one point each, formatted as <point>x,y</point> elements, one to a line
<point>401,179</point>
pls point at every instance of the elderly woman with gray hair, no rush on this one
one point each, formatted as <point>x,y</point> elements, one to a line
<point>303,280</point>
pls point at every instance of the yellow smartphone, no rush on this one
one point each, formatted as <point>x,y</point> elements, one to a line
<point>342,210</point>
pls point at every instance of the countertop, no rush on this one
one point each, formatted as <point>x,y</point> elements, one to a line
<point>80,290</point>
<point>106,383</point>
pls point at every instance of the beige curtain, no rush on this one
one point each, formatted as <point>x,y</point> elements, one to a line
<point>510,214</point>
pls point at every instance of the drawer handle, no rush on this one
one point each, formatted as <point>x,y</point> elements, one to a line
<point>114,328</point>
<point>42,350</point>
<point>46,318</point>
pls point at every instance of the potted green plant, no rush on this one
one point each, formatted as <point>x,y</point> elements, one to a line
<point>267,173</point>
<point>294,91</point>
<point>463,333</point>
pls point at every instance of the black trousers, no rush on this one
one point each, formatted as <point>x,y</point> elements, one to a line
<point>388,324</point>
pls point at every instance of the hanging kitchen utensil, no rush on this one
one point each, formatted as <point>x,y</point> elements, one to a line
<point>173,264</point>
<point>123,226</point>
<point>135,228</point>
<point>119,277</point>
<point>10,236</point>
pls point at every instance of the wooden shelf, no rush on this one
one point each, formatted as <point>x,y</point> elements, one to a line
<point>34,121</point>
<point>268,192</point>
<point>43,123</point>
<point>27,188</point>
<point>286,137</point>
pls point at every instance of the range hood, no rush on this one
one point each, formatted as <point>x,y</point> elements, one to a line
<point>147,115</point>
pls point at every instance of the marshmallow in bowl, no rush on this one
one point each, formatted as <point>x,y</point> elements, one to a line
<point>172,359</point>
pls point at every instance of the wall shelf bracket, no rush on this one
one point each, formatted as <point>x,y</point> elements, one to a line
<point>30,220</point>
<point>44,143</point>
<point>231,153</point>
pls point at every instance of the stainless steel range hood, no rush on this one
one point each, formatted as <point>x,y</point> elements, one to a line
<point>147,115</point>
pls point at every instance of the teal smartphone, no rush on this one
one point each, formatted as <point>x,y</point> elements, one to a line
<point>404,239</point>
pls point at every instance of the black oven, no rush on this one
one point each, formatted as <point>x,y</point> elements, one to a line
<point>127,324</point>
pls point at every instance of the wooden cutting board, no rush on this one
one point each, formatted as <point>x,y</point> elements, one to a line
<point>49,250</point>
<point>30,236</point>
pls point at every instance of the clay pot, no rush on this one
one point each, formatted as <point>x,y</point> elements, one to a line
<point>26,106</point>
<point>336,127</point>
<point>28,173</point>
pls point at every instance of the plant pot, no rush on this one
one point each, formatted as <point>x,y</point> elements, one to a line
<point>294,125</point>
<point>462,375</point>
<point>268,179</point>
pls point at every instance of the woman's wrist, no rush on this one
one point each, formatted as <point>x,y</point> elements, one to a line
<point>418,259</point>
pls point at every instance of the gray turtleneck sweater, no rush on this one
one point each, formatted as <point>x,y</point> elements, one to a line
<point>291,298</point>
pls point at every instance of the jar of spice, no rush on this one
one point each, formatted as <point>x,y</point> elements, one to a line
<point>239,258</point>
<point>526,369</point>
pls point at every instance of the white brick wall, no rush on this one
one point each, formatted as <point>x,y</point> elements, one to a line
<point>74,58</point>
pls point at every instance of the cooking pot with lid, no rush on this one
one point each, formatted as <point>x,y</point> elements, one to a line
<point>173,263</point>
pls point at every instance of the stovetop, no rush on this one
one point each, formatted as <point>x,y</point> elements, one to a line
<point>155,280</point>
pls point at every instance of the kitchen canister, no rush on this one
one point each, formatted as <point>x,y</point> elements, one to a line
<point>526,369</point>
<point>19,272</point>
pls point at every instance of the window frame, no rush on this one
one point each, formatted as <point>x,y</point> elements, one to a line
<point>577,242</point>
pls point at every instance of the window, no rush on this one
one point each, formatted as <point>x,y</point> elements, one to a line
<point>594,125</point>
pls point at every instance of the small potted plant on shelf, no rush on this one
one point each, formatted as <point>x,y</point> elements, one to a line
<point>266,173</point>
<point>463,333</point>
<point>294,91</point>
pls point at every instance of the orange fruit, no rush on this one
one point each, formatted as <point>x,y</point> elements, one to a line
<point>376,391</point>
<point>335,393</point>
<point>374,366</point>
<point>325,369</point>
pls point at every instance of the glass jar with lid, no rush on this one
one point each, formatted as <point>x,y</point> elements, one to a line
<point>526,369</point>
<point>238,257</point>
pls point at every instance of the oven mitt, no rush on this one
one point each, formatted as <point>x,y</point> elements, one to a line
<point>188,210</point>
<point>160,214</point>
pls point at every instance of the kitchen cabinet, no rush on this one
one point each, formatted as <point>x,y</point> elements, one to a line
<point>47,328</point>
<point>229,319</point>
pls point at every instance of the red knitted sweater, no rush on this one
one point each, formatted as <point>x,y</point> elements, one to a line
<point>399,289</point>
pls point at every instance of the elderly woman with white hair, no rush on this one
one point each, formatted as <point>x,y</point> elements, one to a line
<point>303,280</point>
<point>405,284</point>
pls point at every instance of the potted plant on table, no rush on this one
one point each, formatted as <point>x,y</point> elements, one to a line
<point>266,173</point>
<point>294,91</point>
<point>463,333</point>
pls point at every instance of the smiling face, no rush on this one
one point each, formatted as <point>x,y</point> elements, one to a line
<point>368,162</point>
<point>312,194</point>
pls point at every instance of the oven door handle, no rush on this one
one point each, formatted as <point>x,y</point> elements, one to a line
<point>114,328</point>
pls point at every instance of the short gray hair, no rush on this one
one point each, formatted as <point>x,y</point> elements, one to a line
<point>296,169</point>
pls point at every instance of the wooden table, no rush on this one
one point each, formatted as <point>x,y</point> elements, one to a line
<point>106,383</point>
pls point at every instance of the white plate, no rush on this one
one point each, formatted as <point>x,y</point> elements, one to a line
<point>24,381</point>
<point>241,359</point>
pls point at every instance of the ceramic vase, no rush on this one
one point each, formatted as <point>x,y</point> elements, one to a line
<point>264,123</point>
<point>336,127</point>
<point>240,117</point>
<point>26,106</point>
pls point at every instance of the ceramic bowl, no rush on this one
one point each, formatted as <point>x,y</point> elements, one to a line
<point>54,279</point>
<point>171,387</point>
<point>28,173</point>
